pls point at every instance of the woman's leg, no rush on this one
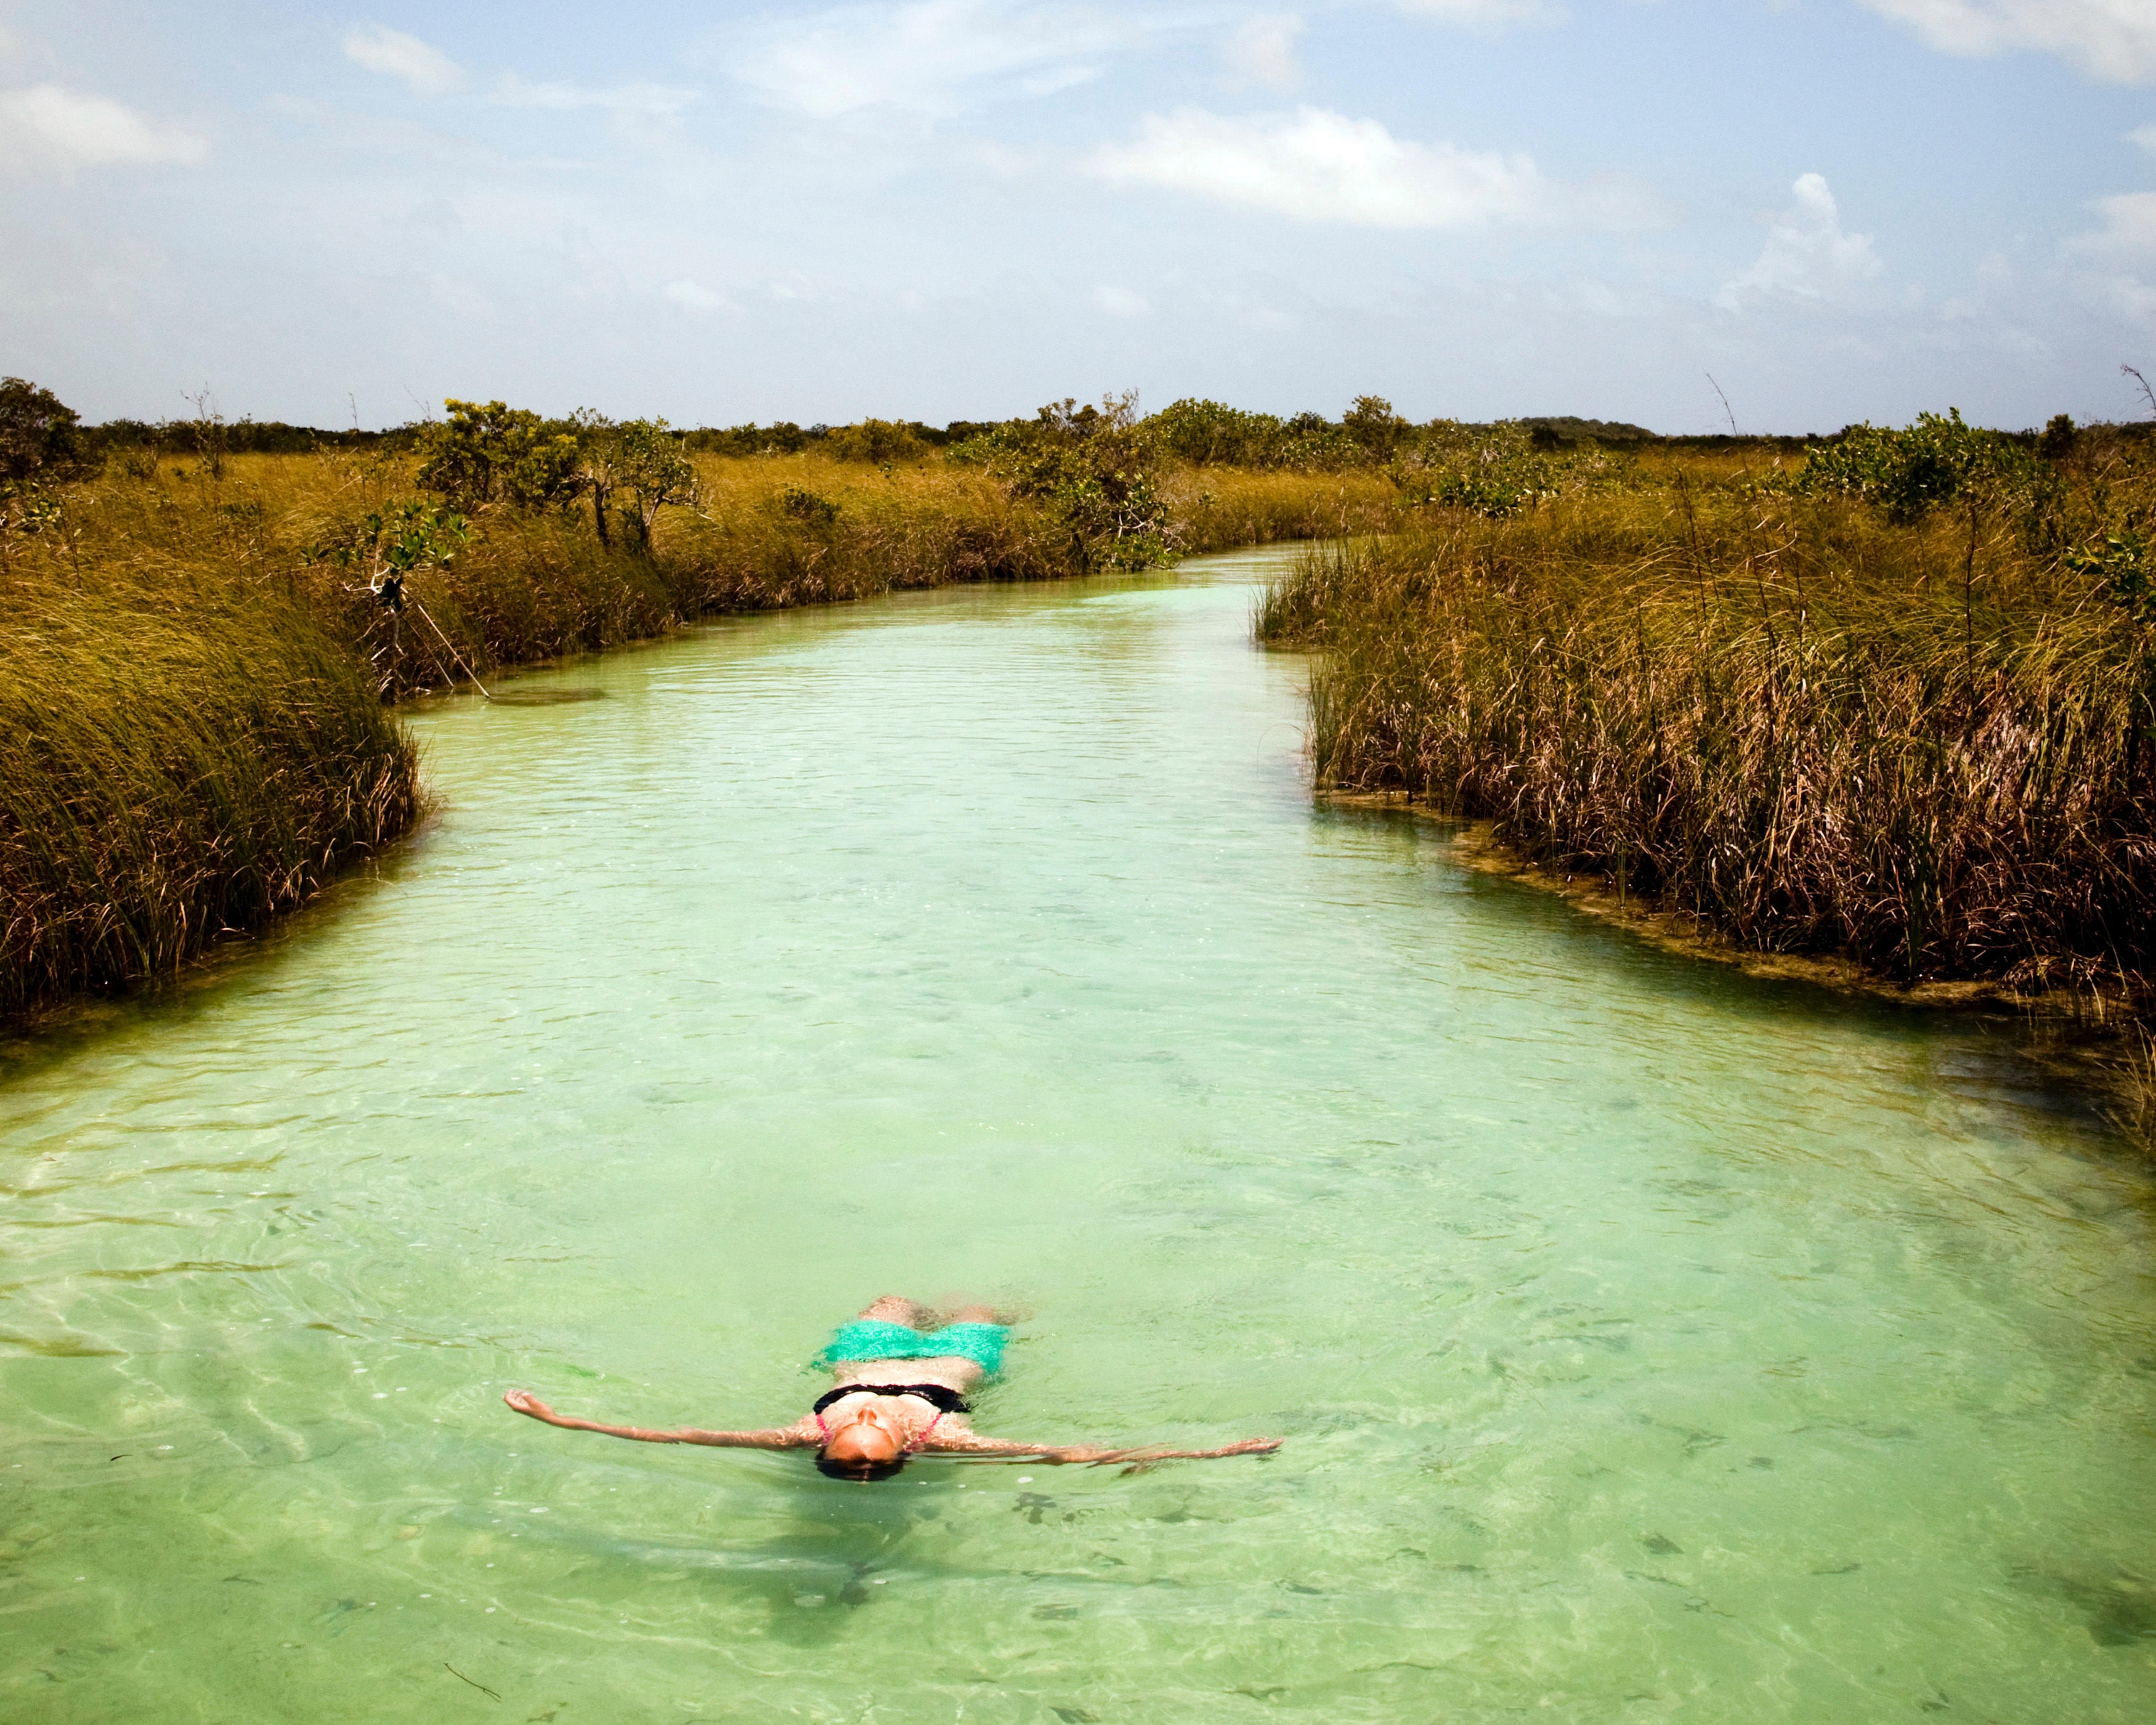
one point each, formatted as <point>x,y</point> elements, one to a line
<point>897,1309</point>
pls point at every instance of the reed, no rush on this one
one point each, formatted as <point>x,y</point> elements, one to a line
<point>1217,508</point>
<point>195,735</point>
<point>1926,746</point>
<point>765,533</point>
<point>179,758</point>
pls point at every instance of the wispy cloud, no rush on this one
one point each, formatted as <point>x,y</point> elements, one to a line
<point>2145,135</point>
<point>2129,225</point>
<point>47,121</point>
<point>656,101</point>
<point>1322,167</point>
<point>929,56</point>
<point>2114,40</point>
<point>424,70</point>
<point>2120,254</point>
<point>1260,50</point>
<point>1120,301</point>
<point>1807,255</point>
<point>695,296</point>
<point>1485,18</point>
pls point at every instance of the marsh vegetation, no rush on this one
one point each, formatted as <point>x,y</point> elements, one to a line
<point>1890,695</point>
<point>208,621</point>
<point>1892,698</point>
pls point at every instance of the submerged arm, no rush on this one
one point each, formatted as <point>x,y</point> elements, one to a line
<point>1090,1455</point>
<point>790,1438</point>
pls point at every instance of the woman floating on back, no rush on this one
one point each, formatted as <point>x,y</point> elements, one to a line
<point>899,1391</point>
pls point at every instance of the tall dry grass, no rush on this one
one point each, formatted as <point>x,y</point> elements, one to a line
<point>191,691</point>
<point>1217,508</point>
<point>766,533</point>
<point>1928,748</point>
<point>180,757</point>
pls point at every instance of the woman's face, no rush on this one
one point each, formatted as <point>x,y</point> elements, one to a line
<point>869,1433</point>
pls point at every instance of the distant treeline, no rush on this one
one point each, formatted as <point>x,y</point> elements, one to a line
<point>1202,433</point>
<point>239,437</point>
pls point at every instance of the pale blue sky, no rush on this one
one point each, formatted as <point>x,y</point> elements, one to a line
<point>1840,208</point>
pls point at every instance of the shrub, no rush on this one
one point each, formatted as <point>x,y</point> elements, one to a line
<point>877,441</point>
<point>804,505</point>
<point>41,439</point>
<point>1207,434</point>
<point>1097,470</point>
<point>488,452</point>
<point>1908,473</point>
<point>1372,425</point>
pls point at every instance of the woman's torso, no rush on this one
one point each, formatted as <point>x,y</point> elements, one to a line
<point>951,1372</point>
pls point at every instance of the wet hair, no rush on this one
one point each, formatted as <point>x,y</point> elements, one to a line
<point>861,1472</point>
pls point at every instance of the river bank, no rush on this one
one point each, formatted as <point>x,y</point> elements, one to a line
<point>196,734</point>
<point>1893,740</point>
<point>2093,1042</point>
<point>1919,744</point>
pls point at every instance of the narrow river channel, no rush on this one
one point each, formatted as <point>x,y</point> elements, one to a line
<point>1649,1343</point>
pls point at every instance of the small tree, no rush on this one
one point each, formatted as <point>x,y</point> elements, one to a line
<point>596,436</point>
<point>648,456</point>
<point>1097,469</point>
<point>645,458</point>
<point>1371,423</point>
<point>488,452</point>
<point>207,431</point>
<point>41,440</point>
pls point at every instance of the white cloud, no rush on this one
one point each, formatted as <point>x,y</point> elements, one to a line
<point>2129,225</point>
<point>1806,255</point>
<point>1324,166</point>
<point>1485,17</point>
<point>1261,50</point>
<point>2145,135</point>
<point>2118,260</point>
<point>2111,40</point>
<point>654,102</point>
<point>695,296</point>
<point>1120,301</point>
<point>46,120</point>
<point>424,70</point>
<point>926,54</point>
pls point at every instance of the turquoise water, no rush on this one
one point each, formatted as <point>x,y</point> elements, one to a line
<point>1648,1343</point>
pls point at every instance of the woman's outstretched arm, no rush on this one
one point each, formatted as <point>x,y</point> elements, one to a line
<point>1087,1455</point>
<point>792,1437</point>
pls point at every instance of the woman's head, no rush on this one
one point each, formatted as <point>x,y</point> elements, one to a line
<point>865,1447</point>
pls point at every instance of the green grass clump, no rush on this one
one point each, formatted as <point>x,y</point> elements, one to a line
<point>179,758</point>
<point>1926,740</point>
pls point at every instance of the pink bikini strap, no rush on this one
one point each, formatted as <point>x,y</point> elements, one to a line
<point>916,1444</point>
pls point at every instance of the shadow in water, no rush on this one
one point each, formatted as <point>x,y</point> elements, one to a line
<point>2118,1608</point>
